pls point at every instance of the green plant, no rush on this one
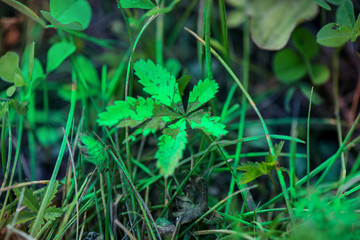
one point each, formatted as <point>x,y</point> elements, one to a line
<point>164,111</point>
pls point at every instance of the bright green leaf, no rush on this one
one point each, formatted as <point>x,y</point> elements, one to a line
<point>272,21</point>
<point>9,69</point>
<point>288,67</point>
<point>93,151</point>
<point>202,93</point>
<point>69,14</point>
<point>345,14</point>
<point>58,53</point>
<point>333,35</point>
<point>143,4</point>
<point>55,23</point>
<point>320,74</point>
<point>47,135</point>
<point>210,125</point>
<point>171,145</point>
<point>159,83</point>
<point>251,171</point>
<point>136,109</point>
<point>305,42</point>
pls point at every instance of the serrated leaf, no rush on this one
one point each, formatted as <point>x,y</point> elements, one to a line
<point>208,124</point>
<point>94,151</point>
<point>23,217</point>
<point>254,170</point>
<point>202,93</point>
<point>29,199</point>
<point>58,53</point>
<point>171,145</point>
<point>52,193</point>
<point>159,83</point>
<point>51,213</point>
<point>333,35</point>
<point>138,109</point>
<point>143,4</point>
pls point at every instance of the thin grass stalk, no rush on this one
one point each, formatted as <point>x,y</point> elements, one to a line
<point>325,165</point>
<point>159,41</point>
<point>308,141</point>
<point>224,32</point>
<point>246,71</point>
<point>267,135</point>
<point>39,217</point>
<point>207,27</point>
<point>3,136</point>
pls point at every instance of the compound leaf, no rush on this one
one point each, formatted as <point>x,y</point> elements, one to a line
<point>52,193</point>
<point>171,145</point>
<point>201,93</point>
<point>159,83</point>
<point>94,151</point>
<point>208,124</point>
<point>345,14</point>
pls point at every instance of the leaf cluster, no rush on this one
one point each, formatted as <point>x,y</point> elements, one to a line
<point>164,111</point>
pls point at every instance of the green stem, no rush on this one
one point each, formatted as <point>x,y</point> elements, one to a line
<point>39,217</point>
<point>207,20</point>
<point>267,135</point>
<point>246,69</point>
<point>160,38</point>
<point>224,32</point>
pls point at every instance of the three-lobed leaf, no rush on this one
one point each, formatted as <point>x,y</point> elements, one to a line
<point>159,83</point>
<point>202,93</point>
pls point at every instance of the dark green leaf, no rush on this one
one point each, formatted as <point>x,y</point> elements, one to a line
<point>288,67</point>
<point>58,53</point>
<point>202,93</point>
<point>88,70</point>
<point>333,35</point>
<point>305,42</point>
<point>323,4</point>
<point>173,66</point>
<point>345,14</point>
<point>52,193</point>
<point>356,30</point>
<point>29,199</point>
<point>51,213</point>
